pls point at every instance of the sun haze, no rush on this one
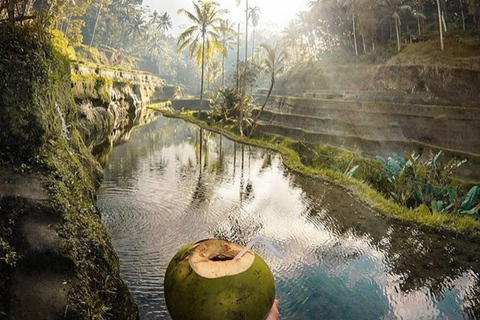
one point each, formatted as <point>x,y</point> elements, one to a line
<point>274,14</point>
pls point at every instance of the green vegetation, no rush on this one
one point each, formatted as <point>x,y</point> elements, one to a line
<point>205,19</point>
<point>92,87</point>
<point>428,184</point>
<point>359,176</point>
<point>41,138</point>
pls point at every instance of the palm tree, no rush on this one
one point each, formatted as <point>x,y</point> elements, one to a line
<point>227,36</point>
<point>290,37</point>
<point>418,16</point>
<point>254,14</point>
<point>165,22</point>
<point>206,20</point>
<point>397,9</point>
<point>440,25</point>
<point>137,27</point>
<point>99,10</point>
<point>244,85</point>
<point>273,64</point>
<point>154,18</point>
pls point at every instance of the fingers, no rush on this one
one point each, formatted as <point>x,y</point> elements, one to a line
<point>274,313</point>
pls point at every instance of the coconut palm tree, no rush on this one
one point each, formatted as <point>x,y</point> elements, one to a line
<point>273,64</point>
<point>290,37</point>
<point>440,25</point>
<point>228,38</point>
<point>136,27</point>
<point>397,10</point>
<point>202,37</point>
<point>419,16</point>
<point>100,6</point>
<point>154,18</point>
<point>244,85</point>
<point>254,14</point>
<point>164,23</point>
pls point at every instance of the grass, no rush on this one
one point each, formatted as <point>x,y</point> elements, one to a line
<point>296,158</point>
<point>461,51</point>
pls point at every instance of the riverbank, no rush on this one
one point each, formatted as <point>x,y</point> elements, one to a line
<point>297,156</point>
<point>56,256</point>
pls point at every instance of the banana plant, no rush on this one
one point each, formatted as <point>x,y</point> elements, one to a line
<point>429,183</point>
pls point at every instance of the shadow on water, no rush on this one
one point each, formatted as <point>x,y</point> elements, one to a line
<point>174,183</point>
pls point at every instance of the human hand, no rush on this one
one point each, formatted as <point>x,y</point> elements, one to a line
<point>274,313</point>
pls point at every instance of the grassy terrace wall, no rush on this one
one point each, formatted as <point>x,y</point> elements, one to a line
<point>380,109</point>
<point>56,257</point>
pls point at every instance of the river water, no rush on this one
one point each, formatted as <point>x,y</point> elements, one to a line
<point>167,187</point>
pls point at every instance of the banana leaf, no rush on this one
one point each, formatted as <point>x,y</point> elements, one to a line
<point>471,199</point>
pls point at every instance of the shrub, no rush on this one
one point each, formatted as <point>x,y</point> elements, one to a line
<point>414,182</point>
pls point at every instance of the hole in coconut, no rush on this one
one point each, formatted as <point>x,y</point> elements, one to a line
<point>220,257</point>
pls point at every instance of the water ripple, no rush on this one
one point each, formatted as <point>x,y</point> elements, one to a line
<point>341,261</point>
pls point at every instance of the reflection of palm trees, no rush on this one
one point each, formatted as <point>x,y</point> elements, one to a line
<point>238,231</point>
<point>199,195</point>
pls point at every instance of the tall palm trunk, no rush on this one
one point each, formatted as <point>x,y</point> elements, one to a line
<point>440,25</point>
<point>355,35</point>
<point>253,41</point>
<point>223,67</point>
<point>463,15</point>
<point>96,22</point>
<point>244,71</point>
<point>397,30</point>
<point>203,71</point>
<point>364,44</point>
<point>254,122</point>
<point>238,57</point>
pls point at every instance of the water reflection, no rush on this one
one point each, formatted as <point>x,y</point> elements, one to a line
<point>173,184</point>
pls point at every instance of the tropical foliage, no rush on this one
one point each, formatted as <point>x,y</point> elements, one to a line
<point>202,37</point>
<point>361,26</point>
<point>428,184</point>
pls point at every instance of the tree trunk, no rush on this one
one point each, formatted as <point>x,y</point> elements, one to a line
<point>11,12</point>
<point>203,71</point>
<point>244,85</point>
<point>254,122</point>
<point>238,57</point>
<point>223,68</point>
<point>398,34</point>
<point>364,45</point>
<point>440,25</point>
<point>354,36</point>
<point>253,41</point>
<point>96,21</point>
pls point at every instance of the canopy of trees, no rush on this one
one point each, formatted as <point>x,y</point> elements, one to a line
<point>357,27</point>
<point>360,26</point>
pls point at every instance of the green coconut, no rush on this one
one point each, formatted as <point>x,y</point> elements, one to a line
<point>204,282</point>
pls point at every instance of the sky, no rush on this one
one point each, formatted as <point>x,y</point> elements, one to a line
<point>274,14</point>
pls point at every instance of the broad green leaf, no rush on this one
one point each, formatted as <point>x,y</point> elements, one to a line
<point>471,198</point>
